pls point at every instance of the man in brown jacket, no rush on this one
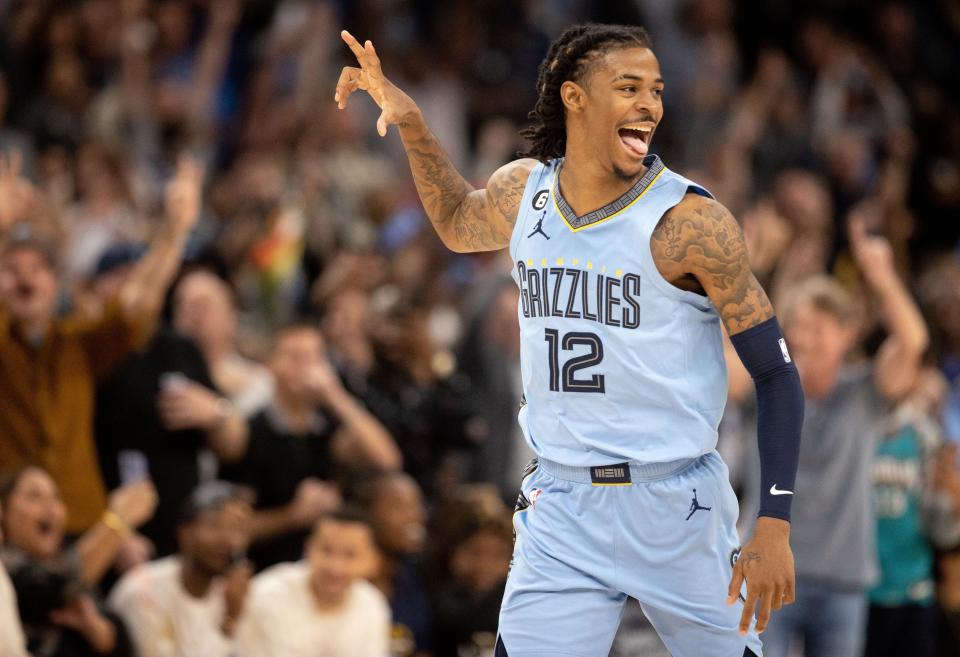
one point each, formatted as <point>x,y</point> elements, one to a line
<point>50,366</point>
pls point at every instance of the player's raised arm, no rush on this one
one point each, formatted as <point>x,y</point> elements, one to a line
<point>466,219</point>
<point>699,238</point>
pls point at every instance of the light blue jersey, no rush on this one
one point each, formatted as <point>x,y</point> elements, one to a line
<point>618,364</point>
<point>625,382</point>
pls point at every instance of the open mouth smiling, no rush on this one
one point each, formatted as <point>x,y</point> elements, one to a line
<point>635,138</point>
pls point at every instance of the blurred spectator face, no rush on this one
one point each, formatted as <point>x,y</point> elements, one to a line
<point>819,329</point>
<point>851,162</point>
<point>804,199</point>
<point>34,515</point>
<point>339,553</point>
<point>173,22</point>
<point>296,353</point>
<point>401,336</point>
<point>215,537</point>
<point>28,285</point>
<point>482,560</point>
<point>203,309</point>
<point>108,285</point>
<point>64,79</point>
<point>398,515</point>
<point>346,317</point>
<point>98,174</point>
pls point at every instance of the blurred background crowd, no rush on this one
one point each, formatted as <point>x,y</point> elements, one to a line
<point>209,274</point>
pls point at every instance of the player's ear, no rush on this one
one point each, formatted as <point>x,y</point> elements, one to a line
<point>574,96</point>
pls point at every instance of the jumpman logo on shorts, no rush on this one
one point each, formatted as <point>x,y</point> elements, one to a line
<point>695,505</point>
<point>539,227</point>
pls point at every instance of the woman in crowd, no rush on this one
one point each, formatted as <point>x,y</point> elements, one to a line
<point>55,584</point>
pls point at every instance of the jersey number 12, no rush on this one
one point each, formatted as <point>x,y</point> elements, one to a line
<point>564,378</point>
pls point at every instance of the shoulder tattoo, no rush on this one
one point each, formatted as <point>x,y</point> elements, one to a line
<point>701,238</point>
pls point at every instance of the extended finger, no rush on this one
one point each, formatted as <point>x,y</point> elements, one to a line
<point>764,617</point>
<point>355,46</point>
<point>789,593</point>
<point>189,169</point>
<point>747,614</point>
<point>12,163</point>
<point>856,228</point>
<point>372,59</point>
<point>777,600</point>
<point>736,581</point>
<point>349,81</point>
<point>382,124</point>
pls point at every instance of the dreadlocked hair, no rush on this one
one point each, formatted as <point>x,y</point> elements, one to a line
<point>567,59</point>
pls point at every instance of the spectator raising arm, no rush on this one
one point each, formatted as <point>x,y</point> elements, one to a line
<point>128,507</point>
<point>899,359</point>
<point>141,298</point>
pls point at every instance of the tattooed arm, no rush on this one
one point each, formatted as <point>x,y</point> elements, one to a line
<point>699,246</point>
<point>466,219</point>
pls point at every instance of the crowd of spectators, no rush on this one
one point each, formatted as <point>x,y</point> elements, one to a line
<point>209,274</point>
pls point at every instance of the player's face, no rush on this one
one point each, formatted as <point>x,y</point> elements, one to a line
<point>624,106</point>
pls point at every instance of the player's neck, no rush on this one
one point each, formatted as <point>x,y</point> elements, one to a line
<point>586,185</point>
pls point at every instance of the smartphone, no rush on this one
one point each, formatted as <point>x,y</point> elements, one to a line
<point>173,381</point>
<point>133,466</point>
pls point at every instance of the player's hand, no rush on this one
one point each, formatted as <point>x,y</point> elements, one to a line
<point>766,563</point>
<point>395,105</point>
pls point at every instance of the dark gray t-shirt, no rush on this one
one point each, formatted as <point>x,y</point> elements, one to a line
<point>832,522</point>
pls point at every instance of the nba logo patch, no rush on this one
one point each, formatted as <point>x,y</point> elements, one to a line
<point>534,496</point>
<point>783,348</point>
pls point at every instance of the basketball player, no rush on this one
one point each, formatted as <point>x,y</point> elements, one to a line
<point>626,271</point>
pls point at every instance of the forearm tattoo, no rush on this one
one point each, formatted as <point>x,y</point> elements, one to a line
<point>707,243</point>
<point>462,215</point>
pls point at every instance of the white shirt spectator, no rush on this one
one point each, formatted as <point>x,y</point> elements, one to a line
<point>282,619</point>
<point>164,620</point>
<point>12,641</point>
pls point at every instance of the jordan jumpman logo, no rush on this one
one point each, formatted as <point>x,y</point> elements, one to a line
<point>539,227</point>
<point>695,505</point>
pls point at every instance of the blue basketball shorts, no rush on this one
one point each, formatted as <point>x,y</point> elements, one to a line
<point>667,538</point>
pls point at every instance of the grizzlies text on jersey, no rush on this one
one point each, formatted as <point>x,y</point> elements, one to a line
<point>618,364</point>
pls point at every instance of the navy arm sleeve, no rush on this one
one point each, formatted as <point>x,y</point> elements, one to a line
<point>764,353</point>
